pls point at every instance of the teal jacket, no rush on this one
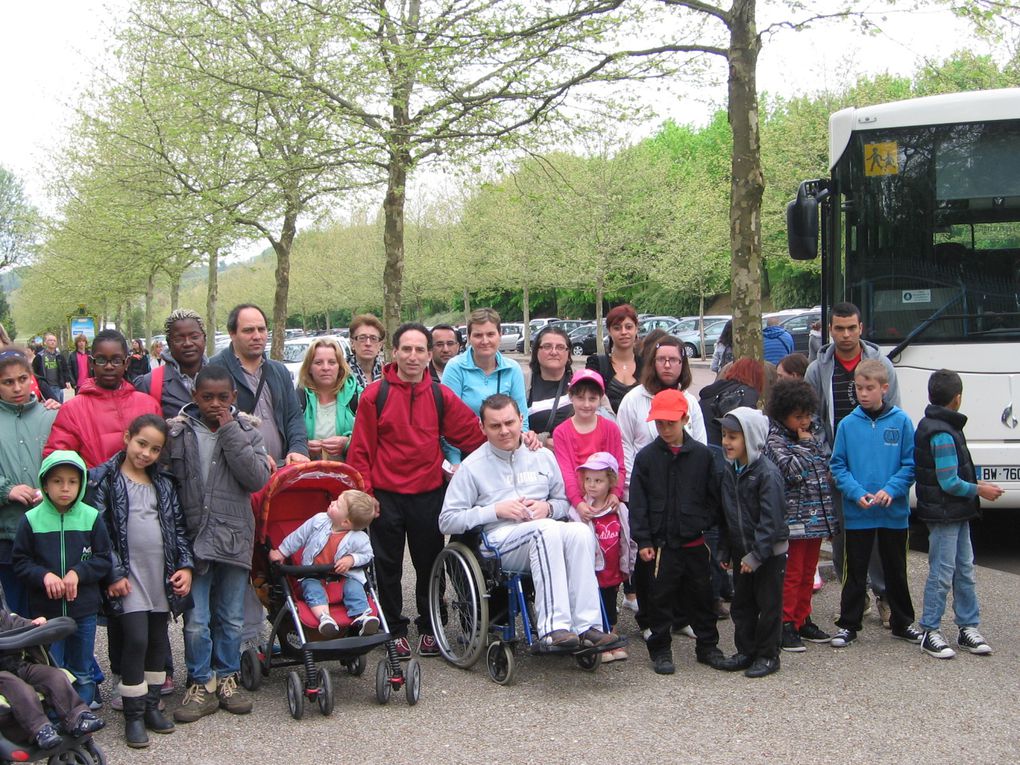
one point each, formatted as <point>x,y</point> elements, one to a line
<point>51,541</point>
<point>346,407</point>
<point>23,433</point>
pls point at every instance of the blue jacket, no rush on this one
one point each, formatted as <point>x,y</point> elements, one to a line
<point>778,343</point>
<point>871,455</point>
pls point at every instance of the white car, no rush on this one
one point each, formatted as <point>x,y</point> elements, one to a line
<point>512,332</point>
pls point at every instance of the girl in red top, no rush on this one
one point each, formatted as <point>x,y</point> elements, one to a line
<point>609,520</point>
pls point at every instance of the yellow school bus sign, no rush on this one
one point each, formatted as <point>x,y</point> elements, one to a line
<point>881,158</point>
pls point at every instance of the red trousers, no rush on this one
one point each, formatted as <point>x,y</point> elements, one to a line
<point>801,561</point>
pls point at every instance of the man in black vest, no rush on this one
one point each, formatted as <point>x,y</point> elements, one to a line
<point>948,498</point>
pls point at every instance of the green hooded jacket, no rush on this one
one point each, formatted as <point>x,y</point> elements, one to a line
<point>48,541</point>
<point>24,429</point>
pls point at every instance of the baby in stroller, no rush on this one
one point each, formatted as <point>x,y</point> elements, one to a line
<point>338,537</point>
<point>24,672</point>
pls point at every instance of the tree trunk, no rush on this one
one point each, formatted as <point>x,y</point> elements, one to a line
<point>467,305</point>
<point>211,295</point>
<point>150,289</point>
<point>747,183</point>
<point>393,241</point>
<point>600,341</point>
<point>526,305</point>
<point>175,292</point>
<point>282,248</point>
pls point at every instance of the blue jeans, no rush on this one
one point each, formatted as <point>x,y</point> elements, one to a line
<point>950,564</point>
<point>212,629</point>
<point>355,599</point>
<point>74,653</point>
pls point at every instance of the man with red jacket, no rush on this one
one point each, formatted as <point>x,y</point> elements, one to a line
<point>395,446</point>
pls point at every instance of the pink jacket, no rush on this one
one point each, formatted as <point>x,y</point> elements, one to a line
<point>570,454</point>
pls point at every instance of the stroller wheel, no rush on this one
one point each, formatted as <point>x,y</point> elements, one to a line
<point>499,660</point>
<point>356,667</point>
<point>412,682</point>
<point>382,682</point>
<point>325,695</point>
<point>295,695</point>
<point>76,755</point>
<point>251,669</point>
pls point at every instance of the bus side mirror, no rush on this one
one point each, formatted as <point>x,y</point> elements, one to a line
<point>802,223</point>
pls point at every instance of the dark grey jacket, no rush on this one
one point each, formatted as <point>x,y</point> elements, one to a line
<point>218,514</point>
<point>176,393</point>
<point>289,420</point>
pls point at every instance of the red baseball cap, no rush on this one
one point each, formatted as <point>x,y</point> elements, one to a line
<point>669,404</point>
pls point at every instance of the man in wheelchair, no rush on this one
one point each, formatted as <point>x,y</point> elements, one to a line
<point>516,498</point>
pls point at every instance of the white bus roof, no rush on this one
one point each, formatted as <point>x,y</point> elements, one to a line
<point>973,106</point>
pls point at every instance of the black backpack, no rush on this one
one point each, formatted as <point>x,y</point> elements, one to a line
<point>384,391</point>
<point>728,399</point>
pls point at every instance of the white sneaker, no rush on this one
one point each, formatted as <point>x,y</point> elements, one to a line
<point>328,627</point>
<point>631,604</point>
<point>686,631</point>
<point>366,624</point>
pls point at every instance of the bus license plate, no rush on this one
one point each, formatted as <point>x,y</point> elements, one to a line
<point>999,473</point>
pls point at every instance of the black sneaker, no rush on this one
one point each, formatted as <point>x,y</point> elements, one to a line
<point>970,640</point>
<point>935,645</point>
<point>762,667</point>
<point>791,640</point>
<point>812,633</point>
<point>663,664</point>
<point>86,723</point>
<point>714,658</point>
<point>843,638</point>
<point>910,634</point>
<point>47,737</point>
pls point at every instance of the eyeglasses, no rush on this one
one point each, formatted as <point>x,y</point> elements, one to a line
<point>549,348</point>
<point>668,361</point>
<point>103,361</point>
<point>367,339</point>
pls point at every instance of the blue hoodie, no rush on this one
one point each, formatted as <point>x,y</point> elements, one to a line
<point>871,455</point>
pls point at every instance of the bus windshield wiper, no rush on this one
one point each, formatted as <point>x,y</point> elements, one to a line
<point>922,327</point>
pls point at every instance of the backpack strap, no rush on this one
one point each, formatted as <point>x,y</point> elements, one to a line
<point>384,391</point>
<point>156,384</point>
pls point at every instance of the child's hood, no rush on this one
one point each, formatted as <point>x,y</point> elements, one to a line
<point>755,426</point>
<point>65,457</point>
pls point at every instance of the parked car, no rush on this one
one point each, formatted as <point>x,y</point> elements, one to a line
<point>512,332</point>
<point>567,325</point>
<point>799,326</point>
<point>582,341</point>
<point>536,324</point>
<point>692,340</point>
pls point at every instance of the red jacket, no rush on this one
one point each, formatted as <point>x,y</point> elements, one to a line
<point>94,421</point>
<point>400,452</point>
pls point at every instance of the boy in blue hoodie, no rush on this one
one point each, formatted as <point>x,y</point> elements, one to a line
<point>873,468</point>
<point>61,553</point>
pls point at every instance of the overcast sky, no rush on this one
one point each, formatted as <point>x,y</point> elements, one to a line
<point>51,48</point>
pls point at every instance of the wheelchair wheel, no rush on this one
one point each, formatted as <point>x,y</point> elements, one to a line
<point>457,584</point>
<point>589,661</point>
<point>382,683</point>
<point>499,660</point>
<point>412,682</point>
<point>325,695</point>
<point>251,669</point>
<point>295,695</point>
<point>356,667</point>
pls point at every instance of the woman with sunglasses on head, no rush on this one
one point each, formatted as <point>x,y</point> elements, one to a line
<point>93,423</point>
<point>621,365</point>
<point>548,402</point>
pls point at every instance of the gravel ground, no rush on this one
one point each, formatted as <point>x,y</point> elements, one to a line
<point>879,700</point>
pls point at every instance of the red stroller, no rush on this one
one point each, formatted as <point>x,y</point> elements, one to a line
<point>293,495</point>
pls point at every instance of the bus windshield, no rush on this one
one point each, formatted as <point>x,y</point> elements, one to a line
<point>931,232</point>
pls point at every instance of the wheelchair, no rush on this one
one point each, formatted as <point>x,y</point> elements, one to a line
<point>475,606</point>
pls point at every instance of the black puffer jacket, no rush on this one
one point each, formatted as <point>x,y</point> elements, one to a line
<point>674,498</point>
<point>107,492</point>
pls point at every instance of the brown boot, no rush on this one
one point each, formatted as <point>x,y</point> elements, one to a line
<point>230,698</point>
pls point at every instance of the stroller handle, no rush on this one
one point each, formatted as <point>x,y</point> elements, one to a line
<point>36,635</point>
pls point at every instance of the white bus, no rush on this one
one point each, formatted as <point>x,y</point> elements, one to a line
<point>920,228</point>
